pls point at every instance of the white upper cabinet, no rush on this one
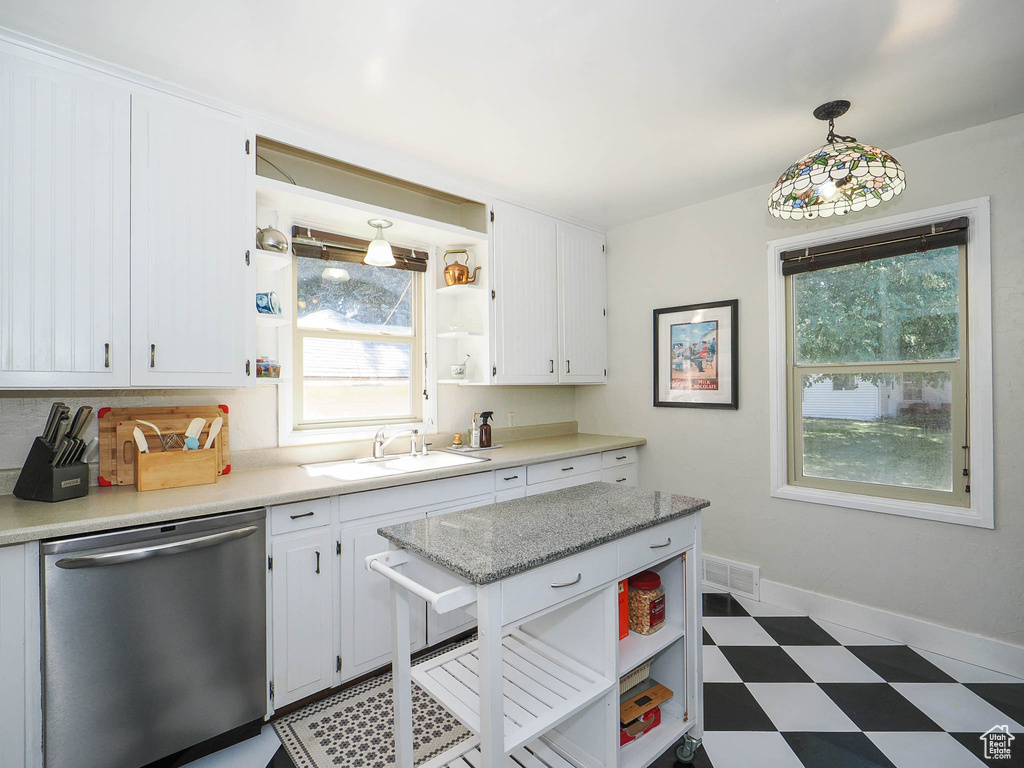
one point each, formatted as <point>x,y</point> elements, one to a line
<point>549,314</point>
<point>64,227</point>
<point>582,321</point>
<point>526,297</point>
<point>189,283</point>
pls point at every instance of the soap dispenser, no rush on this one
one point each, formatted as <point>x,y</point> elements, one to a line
<point>485,429</point>
<point>474,431</point>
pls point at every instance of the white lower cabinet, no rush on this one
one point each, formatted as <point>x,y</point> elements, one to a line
<point>302,581</point>
<point>365,611</point>
<point>21,707</point>
<point>333,626</point>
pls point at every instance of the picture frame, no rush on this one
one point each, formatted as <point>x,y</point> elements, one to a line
<point>696,356</point>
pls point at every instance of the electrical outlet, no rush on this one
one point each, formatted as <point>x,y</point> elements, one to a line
<point>513,420</point>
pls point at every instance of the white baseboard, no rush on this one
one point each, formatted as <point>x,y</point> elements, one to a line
<point>974,649</point>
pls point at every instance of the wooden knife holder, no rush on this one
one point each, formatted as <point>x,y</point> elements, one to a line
<point>174,469</point>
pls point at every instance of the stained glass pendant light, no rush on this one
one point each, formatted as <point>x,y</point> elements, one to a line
<point>841,176</point>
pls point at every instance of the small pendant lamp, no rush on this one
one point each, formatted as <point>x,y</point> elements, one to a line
<point>841,176</point>
<point>379,253</point>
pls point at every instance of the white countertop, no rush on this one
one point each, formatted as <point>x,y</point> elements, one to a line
<point>121,507</point>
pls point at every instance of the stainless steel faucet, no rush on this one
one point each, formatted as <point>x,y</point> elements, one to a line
<point>379,443</point>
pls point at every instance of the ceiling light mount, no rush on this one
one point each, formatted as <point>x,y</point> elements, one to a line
<point>842,175</point>
<point>830,110</point>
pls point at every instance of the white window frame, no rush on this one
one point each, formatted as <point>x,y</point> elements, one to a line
<point>980,513</point>
<point>288,434</point>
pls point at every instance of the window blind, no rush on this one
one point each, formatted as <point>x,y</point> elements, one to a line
<point>883,246</point>
<point>317,244</point>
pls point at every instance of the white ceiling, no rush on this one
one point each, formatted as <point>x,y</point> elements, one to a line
<point>599,109</point>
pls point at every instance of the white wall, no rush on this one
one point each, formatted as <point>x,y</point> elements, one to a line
<point>965,578</point>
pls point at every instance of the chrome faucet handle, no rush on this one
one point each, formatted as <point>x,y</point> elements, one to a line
<point>379,437</point>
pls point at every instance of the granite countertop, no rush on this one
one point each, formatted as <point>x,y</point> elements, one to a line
<point>489,543</point>
<point>122,507</point>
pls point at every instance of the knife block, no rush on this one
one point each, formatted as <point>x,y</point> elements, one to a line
<point>39,481</point>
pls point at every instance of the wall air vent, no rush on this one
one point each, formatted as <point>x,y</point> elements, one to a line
<point>732,576</point>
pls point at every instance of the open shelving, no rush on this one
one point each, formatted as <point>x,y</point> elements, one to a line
<point>648,747</point>
<point>635,649</point>
<point>542,687</point>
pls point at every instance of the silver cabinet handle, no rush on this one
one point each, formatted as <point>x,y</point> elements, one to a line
<point>318,563</point>
<point>106,355</point>
<point>304,514</point>
<point>660,546</point>
<point>569,583</point>
<point>620,458</point>
<point>157,550</point>
<point>152,355</point>
<point>567,366</point>
<point>621,480</point>
<point>514,477</point>
<point>568,469</point>
<point>552,362</point>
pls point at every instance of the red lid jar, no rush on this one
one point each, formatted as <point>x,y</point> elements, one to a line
<point>646,603</point>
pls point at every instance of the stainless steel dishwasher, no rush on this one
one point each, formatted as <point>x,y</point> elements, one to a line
<point>154,639</point>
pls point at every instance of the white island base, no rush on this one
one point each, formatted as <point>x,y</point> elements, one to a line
<point>541,682</point>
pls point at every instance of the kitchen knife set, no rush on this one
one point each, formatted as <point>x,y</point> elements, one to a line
<point>55,469</point>
<point>63,434</point>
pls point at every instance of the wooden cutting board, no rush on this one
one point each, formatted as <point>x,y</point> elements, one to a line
<point>117,446</point>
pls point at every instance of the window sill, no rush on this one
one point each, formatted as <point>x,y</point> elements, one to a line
<point>921,510</point>
<point>344,434</point>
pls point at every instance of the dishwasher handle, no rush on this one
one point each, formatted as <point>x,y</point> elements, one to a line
<point>156,550</point>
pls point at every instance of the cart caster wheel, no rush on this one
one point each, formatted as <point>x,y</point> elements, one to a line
<point>686,751</point>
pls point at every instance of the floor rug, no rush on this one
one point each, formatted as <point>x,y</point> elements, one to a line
<point>355,728</point>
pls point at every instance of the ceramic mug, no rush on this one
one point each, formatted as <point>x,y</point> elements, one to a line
<point>268,303</point>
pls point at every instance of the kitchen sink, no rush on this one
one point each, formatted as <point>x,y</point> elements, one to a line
<point>362,469</point>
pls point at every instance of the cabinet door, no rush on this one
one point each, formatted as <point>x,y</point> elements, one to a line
<point>526,297</point>
<point>189,237</point>
<point>582,290</point>
<point>302,588</point>
<point>365,600</point>
<point>442,626</point>
<point>64,215</point>
<point>21,728</point>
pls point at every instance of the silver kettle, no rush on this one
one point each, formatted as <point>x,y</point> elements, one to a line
<point>271,239</point>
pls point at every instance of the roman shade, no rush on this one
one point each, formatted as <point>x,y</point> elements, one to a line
<point>926,237</point>
<point>317,244</point>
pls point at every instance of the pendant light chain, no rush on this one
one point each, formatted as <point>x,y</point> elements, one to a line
<point>833,137</point>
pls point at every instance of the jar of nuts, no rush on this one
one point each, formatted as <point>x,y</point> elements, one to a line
<point>646,603</point>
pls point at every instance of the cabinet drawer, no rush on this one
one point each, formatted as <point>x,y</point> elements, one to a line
<point>624,475</point>
<point>563,482</point>
<point>654,544</point>
<point>513,477</point>
<point>536,589</point>
<point>555,470</point>
<point>618,458</point>
<point>299,516</point>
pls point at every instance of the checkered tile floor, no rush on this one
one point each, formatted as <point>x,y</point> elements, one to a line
<point>785,691</point>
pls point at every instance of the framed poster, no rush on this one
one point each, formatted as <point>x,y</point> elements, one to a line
<point>695,356</point>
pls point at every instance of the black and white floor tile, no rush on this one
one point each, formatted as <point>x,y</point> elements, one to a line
<point>786,691</point>
<point>783,690</point>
